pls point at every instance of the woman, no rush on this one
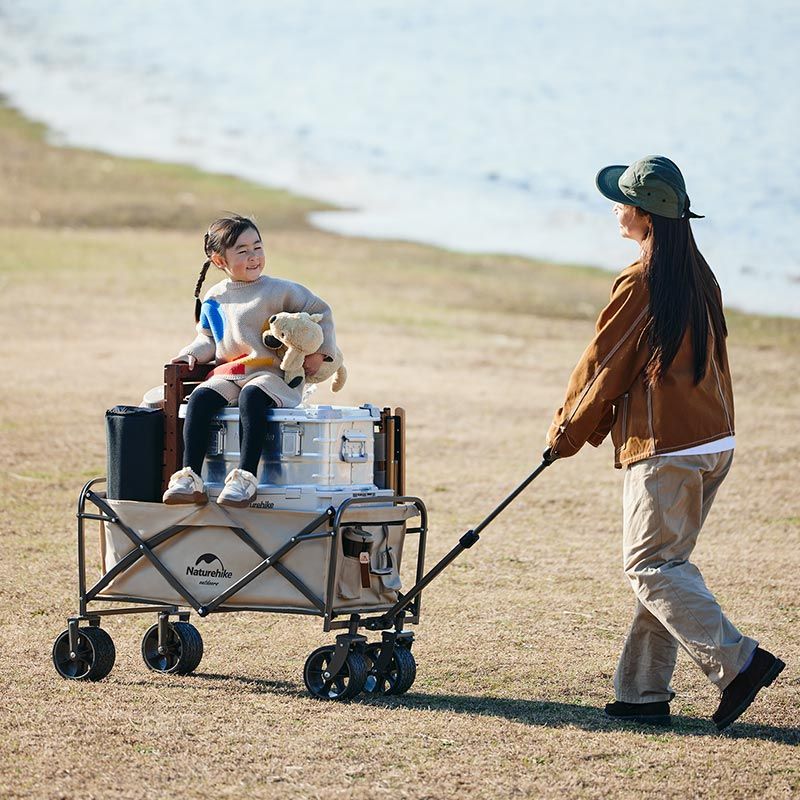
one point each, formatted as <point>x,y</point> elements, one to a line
<point>656,376</point>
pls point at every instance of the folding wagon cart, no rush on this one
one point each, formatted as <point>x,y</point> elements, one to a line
<point>340,563</point>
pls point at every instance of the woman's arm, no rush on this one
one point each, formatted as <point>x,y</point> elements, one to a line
<point>606,370</point>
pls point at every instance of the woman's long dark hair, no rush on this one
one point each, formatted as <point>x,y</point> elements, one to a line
<point>683,294</point>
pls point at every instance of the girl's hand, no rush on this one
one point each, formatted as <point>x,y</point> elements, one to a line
<point>312,363</point>
<point>185,359</point>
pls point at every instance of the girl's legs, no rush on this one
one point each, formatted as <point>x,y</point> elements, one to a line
<point>203,404</point>
<point>253,405</point>
<point>241,485</point>
<point>666,500</point>
<point>186,485</point>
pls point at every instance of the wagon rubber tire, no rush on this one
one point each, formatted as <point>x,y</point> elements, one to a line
<point>344,686</point>
<point>183,651</point>
<point>398,678</point>
<point>94,656</point>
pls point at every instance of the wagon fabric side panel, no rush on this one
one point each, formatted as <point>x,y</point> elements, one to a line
<point>209,557</point>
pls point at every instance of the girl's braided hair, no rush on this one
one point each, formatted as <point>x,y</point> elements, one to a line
<point>222,233</point>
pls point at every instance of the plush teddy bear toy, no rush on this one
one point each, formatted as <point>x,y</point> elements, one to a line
<point>301,335</point>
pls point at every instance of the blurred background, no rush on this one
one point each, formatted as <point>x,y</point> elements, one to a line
<point>471,124</point>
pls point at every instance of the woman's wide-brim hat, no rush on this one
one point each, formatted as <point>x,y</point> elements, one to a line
<point>653,183</point>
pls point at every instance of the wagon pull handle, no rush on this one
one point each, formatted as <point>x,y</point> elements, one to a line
<point>465,542</point>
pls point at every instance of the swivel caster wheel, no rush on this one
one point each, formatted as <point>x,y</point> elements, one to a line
<point>181,653</point>
<point>398,676</point>
<point>91,660</point>
<point>344,686</point>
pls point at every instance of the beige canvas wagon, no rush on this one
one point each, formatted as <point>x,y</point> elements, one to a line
<point>328,550</point>
<point>332,551</point>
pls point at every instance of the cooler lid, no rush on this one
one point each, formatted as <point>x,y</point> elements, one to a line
<point>320,413</point>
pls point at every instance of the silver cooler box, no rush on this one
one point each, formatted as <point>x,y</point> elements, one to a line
<point>330,446</point>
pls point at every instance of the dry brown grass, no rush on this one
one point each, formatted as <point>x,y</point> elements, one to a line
<point>519,637</point>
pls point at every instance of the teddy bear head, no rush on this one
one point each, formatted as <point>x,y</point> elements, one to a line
<point>300,331</point>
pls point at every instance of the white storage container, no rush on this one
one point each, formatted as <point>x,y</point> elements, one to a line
<point>331,446</point>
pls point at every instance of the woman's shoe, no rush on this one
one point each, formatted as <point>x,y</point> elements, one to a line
<point>240,489</point>
<point>645,713</point>
<point>742,690</point>
<point>185,487</point>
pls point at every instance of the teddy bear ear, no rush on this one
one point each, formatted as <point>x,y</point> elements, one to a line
<point>316,317</point>
<point>273,318</point>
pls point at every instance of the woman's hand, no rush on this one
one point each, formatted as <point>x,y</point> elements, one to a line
<point>185,359</point>
<point>312,363</point>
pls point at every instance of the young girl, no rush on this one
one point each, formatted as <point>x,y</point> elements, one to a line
<point>656,376</point>
<point>230,323</point>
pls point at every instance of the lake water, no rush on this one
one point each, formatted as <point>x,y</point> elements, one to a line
<point>471,124</point>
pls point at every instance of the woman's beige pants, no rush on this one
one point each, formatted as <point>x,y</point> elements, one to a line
<point>665,502</point>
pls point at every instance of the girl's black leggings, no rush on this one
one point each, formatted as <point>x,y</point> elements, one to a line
<point>204,403</point>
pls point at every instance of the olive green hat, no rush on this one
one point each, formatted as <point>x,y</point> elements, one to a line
<point>653,183</point>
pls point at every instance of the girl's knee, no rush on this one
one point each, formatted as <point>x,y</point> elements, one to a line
<point>204,396</point>
<point>254,399</point>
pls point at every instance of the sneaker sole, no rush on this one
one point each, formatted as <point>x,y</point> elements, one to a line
<point>235,503</point>
<point>197,498</point>
<point>767,680</point>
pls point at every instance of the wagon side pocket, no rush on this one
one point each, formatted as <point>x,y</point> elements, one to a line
<point>385,564</point>
<point>354,574</point>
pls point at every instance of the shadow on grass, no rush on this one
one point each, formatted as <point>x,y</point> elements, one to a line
<point>540,713</point>
<point>561,715</point>
<point>259,685</point>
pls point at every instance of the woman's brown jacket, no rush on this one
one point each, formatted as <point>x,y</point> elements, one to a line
<point>608,391</point>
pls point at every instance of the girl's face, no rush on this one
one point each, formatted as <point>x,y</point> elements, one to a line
<point>632,223</point>
<point>245,260</point>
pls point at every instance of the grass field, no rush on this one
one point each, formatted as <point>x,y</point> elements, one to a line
<point>519,638</point>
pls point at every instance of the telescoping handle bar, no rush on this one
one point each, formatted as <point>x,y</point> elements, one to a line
<point>465,542</point>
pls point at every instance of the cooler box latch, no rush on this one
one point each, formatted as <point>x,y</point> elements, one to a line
<point>354,447</point>
<point>291,440</point>
<point>216,439</point>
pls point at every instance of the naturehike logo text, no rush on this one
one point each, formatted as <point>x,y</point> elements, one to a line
<point>208,558</point>
<point>262,504</point>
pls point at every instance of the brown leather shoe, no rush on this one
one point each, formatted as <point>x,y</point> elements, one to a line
<point>742,690</point>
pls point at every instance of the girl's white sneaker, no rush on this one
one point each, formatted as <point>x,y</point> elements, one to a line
<point>185,487</point>
<point>240,489</point>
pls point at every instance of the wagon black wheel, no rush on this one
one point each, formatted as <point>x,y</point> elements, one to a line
<point>344,686</point>
<point>398,676</point>
<point>91,660</point>
<point>181,653</point>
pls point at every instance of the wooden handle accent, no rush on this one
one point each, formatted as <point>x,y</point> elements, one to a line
<point>401,450</point>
